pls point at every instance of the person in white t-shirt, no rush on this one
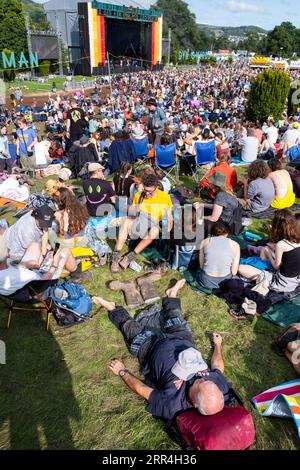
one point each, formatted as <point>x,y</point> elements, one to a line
<point>42,157</point>
<point>271,132</point>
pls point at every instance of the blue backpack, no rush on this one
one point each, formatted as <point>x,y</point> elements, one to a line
<point>70,304</point>
<point>294,153</point>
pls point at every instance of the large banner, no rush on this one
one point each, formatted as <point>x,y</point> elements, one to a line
<point>46,47</point>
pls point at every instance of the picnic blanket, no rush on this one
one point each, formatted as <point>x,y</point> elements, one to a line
<point>282,401</point>
<point>269,213</point>
<point>285,313</point>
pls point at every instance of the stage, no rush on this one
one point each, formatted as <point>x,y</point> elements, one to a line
<point>130,35</point>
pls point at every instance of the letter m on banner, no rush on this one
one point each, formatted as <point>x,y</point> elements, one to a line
<point>2,353</point>
<point>8,62</point>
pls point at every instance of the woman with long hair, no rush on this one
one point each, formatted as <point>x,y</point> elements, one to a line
<point>124,180</point>
<point>283,254</point>
<point>71,217</point>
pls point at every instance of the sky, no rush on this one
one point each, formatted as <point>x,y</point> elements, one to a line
<point>263,13</point>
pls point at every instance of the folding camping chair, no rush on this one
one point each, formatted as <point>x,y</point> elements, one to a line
<point>165,158</point>
<point>27,299</point>
<point>141,147</point>
<point>205,154</point>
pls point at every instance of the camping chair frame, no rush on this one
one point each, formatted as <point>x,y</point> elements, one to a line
<point>169,169</point>
<point>200,171</point>
<point>14,306</point>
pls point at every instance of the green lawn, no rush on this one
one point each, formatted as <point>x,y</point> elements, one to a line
<point>57,393</point>
<point>30,87</point>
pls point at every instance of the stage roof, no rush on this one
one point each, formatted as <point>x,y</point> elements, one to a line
<point>71,5</point>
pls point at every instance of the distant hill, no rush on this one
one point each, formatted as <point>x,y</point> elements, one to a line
<point>230,31</point>
<point>36,13</point>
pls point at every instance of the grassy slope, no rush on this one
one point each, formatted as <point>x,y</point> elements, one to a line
<point>57,393</point>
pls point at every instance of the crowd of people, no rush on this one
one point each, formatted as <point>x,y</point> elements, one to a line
<point>110,143</point>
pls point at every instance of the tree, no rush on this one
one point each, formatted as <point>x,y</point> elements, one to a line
<point>12,21</point>
<point>281,41</point>
<point>268,95</point>
<point>185,31</point>
<point>294,98</point>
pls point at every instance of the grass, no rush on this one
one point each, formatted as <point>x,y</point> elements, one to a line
<point>30,87</point>
<point>57,393</point>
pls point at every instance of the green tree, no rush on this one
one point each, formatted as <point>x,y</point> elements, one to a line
<point>185,31</point>
<point>12,30</point>
<point>268,95</point>
<point>282,40</point>
<point>44,68</point>
<point>294,98</point>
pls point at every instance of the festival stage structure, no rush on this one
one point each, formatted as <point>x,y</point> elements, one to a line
<point>129,35</point>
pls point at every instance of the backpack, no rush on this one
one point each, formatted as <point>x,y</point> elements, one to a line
<point>232,429</point>
<point>294,153</point>
<point>71,304</point>
<point>235,224</point>
<point>86,257</point>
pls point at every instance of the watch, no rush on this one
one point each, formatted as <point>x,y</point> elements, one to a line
<point>122,373</point>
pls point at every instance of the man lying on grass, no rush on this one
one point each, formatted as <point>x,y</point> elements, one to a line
<point>176,376</point>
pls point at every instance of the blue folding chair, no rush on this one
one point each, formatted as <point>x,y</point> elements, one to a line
<point>141,147</point>
<point>205,154</point>
<point>165,158</point>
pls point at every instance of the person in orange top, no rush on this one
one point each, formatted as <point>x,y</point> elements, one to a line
<point>224,168</point>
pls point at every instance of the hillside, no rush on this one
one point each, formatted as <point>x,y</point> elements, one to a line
<point>36,13</point>
<point>230,31</point>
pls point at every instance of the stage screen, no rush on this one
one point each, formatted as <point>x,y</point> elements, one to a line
<point>45,46</point>
<point>129,38</point>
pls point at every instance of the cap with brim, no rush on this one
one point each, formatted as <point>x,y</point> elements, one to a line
<point>44,215</point>
<point>189,363</point>
<point>64,174</point>
<point>218,179</point>
<point>93,167</point>
<point>138,132</point>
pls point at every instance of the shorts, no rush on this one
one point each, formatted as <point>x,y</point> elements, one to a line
<point>141,226</point>
<point>27,162</point>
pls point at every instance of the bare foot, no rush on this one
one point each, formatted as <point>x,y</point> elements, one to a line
<point>109,306</point>
<point>172,293</point>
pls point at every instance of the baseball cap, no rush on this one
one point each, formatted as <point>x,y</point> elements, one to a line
<point>64,174</point>
<point>189,363</point>
<point>44,215</point>
<point>93,167</point>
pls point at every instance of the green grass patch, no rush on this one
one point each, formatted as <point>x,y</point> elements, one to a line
<point>56,391</point>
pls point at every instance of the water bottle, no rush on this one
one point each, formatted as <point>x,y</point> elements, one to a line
<point>60,266</point>
<point>135,267</point>
<point>47,263</point>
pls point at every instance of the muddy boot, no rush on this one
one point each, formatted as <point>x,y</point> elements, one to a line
<point>127,260</point>
<point>116,258</point>
<point>148,289</point>
<point>132,296</point>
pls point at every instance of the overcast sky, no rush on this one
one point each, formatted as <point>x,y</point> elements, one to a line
<point>264,13</point>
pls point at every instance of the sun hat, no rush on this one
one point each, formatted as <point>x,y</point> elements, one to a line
<point>189,363</point>
<point>137,132</point>
<point>93,167</point>
<point>218,179</point>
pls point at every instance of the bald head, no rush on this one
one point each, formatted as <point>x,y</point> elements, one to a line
<point>206,397</point>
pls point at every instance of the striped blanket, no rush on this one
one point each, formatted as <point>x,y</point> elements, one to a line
<point>282,401</point>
